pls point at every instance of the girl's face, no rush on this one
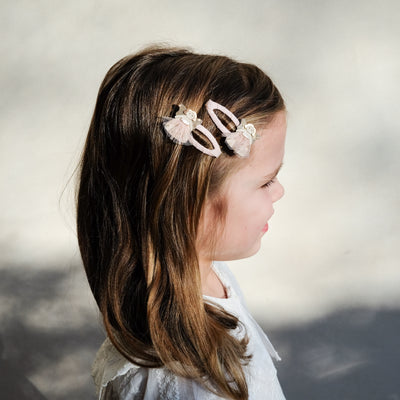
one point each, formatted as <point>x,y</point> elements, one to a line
<point>249,195</point>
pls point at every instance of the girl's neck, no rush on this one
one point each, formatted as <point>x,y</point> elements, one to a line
<point>211,285</point>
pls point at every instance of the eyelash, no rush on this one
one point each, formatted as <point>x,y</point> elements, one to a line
<point>269,183</point>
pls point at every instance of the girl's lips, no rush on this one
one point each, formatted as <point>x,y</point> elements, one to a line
<point>265,228</point>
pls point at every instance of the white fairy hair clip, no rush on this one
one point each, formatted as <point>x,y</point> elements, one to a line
<point>242,138</point>
<point>180,129</point>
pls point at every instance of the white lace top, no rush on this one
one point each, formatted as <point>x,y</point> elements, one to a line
<point>118,379</point>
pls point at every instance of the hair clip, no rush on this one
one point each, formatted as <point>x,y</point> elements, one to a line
<point>180,129</point>
<point>242,138</point>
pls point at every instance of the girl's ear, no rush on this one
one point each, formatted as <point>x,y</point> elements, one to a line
<point>203,222</point>
<point>206,230</point>
<point>211,226</point>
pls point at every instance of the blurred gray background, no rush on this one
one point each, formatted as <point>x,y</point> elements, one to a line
<point>325,285</point>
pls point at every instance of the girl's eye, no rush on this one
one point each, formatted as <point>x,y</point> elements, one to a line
<point>268,184</point>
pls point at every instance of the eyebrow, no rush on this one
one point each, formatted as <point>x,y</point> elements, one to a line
<point>274,174</point>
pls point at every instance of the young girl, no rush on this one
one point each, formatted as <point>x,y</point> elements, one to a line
<point>178,174</point>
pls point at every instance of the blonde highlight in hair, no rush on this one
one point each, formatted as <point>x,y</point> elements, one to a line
<point>139,203</point>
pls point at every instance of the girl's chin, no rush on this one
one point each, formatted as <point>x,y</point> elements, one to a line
<point>254,250</point>
<point>239,251</point>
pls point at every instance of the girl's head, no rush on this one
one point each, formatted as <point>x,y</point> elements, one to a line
<point>147,206</point>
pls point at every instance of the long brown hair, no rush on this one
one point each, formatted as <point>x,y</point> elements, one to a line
<point>140,199</point>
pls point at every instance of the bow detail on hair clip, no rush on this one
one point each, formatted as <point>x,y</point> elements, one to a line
<point>242,138</point>
<point>180,129</point>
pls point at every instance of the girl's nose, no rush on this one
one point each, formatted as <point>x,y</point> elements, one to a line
<point>278,192</point>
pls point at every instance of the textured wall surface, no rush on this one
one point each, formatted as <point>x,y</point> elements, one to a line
<point>325,285</point>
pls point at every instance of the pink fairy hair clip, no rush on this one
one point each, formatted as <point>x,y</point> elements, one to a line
<point>180,128</point>
<point>242,138</point>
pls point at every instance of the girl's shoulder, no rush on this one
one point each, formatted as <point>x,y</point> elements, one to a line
<point>236,305</point>
<point>108,365</point>
<point>117,378</point>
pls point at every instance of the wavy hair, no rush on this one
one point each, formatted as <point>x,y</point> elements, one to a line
<point>139,202</point>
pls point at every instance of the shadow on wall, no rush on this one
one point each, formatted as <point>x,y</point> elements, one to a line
<point>13,384</point>
<point>52,351</point>
<point>349,355</point>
